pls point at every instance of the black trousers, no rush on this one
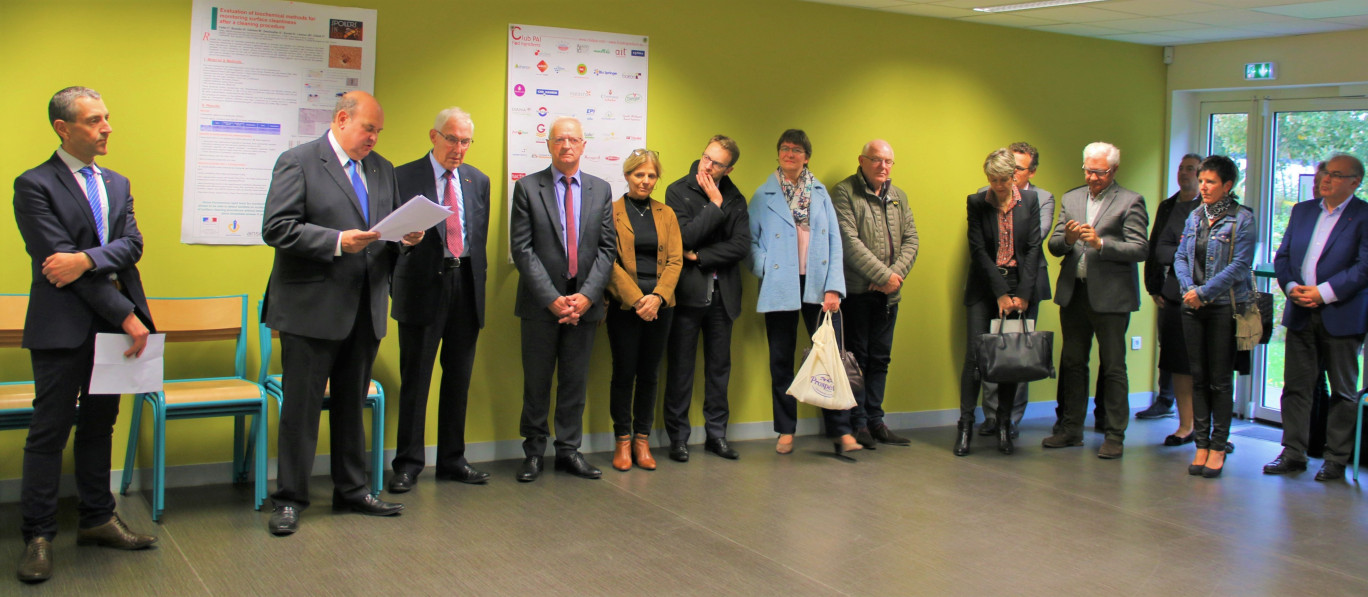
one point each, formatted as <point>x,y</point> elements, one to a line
<point>637,346</point>
<point>1306,350</point>
<point>781,330</point>
<point>1079,324</point>
<point>716,327</point>
<point>563,350</point>
<point>61,381</point>
<point>991,391</point>
<point>343,368</point>
<point>1210,336</point>
<point>455,329</point>
<point>978,319</point>
<point>868,321</point>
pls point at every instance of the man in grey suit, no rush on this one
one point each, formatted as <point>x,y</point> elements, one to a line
<point>563,242</point>
<point>439,296</point>
<point>1027,160</point>
<point>1101,236</point>
<point>327,295</point>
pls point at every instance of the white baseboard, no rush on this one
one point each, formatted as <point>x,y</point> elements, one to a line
<point>216,473</point>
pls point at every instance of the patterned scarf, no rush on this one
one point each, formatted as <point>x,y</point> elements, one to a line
<point>1220,208</point>
<point>799,194</point>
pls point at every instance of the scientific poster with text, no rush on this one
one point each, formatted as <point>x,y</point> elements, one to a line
<point>599,78</point>
<point>264,77</point>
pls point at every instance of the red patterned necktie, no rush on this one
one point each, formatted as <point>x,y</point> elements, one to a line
<point>453,222</point>
<point>571,239</point>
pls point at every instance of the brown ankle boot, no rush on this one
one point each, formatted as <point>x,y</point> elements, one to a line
<point>641,452</point>
<point>622,453</point>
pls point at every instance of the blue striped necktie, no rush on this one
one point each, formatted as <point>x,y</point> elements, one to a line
<point>360,188</point>
<point>92,189</point>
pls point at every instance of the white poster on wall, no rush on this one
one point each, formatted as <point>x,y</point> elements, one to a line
<point>264,77</point>
<point>599,78</point>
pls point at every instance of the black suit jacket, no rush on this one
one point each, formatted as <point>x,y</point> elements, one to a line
<point>985,282</point>
<point>419,270</point>
<point>537,242</point>
<point>312,292</point>
<point>54,216</point>
<point>719,235</point>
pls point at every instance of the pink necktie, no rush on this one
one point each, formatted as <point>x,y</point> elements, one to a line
<point>453,222</point>
<point>571,242</point>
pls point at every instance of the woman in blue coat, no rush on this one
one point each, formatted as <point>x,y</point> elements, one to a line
<point>796,253</point>
<point>1214,266</point>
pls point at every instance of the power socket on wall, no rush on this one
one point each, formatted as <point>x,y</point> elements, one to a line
<point>1136,342</point>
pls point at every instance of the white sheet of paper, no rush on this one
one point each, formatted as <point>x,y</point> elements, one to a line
<point>1013,325</point>
<point>116,374</point>
<point>412,216</point>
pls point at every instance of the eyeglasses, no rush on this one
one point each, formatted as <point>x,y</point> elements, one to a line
<point>878,161</point>
<point>1087,171</point>
<point>1020,169</point>
<point>792,149</point>
<point>637,152</point>
<point>567,141</point>
<point>454,140</point>
<point>709,160</point>
<point>1342,175</point>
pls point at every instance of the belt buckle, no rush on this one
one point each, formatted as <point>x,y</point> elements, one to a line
<point>1003,271</point>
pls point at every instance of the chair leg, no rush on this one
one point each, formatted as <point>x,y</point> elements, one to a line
<point>1358,435</point>
<point>259,434</point>
<point>159,459</point>
<point>377,446</point>
<point>130,455</point>
<point>239,449</point>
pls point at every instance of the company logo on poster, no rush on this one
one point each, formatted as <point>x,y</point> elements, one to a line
<point>581,69</point>
<point>542,112</point>
<point>639,53</point>
<point>519,90</point>
<point>548,92</point>
<point>632,98</point>
<point>541,66</point>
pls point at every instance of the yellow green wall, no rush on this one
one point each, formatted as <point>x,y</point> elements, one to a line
<point>943,93</point>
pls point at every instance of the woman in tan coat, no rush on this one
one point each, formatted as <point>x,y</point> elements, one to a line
<point>640,301</point>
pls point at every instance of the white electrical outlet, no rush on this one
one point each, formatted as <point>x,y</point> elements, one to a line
<point>1136,342</point>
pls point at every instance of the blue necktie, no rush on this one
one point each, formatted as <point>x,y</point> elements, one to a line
<point>360,188</point>
<point>92,189</point>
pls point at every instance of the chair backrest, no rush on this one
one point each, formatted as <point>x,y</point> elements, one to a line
<point>13,309</point>
<point>265,338</point>
<point>202,319</point>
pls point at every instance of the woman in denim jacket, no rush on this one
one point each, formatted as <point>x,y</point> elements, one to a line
<point>1214,264</point>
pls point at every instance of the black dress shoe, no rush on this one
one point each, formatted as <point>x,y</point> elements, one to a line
<point>719,446</point>
<point>1230,448</point>
<point>1330,471</point>
<point>531,469</point>
<point>884,435</point>
<point>964,433</point>
<point>575,464</point>
<point>369,505</point>
<point>284,521</point>
<point>114,534</point>
<point>679,451</point>
<point>465,474</point>
<point>1283,465</point>
<point>401,483</point>
<point>989,427</point>
<point>1174,440</point>
<point>866,439</point>
<point>36,564</point>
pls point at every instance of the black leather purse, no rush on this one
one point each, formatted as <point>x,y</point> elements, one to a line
<point>1016,357</point>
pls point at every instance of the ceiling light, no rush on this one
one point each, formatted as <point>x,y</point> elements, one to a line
<point>1033,5</point>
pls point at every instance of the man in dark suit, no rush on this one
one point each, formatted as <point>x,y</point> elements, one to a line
<point>1322,265</point>
<point>563,242</point>
<point>1101,236</point>
<point>77,222</point>
<point>716,230</point>
<point>1027,160</point>
<point>327,296</point>
<point>439,295</point>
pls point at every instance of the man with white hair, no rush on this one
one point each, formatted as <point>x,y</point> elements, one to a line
<point>1101,236</point>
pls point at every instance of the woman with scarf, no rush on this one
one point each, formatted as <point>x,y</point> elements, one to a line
<point>1214,265</point>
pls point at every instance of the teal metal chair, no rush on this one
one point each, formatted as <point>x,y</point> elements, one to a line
<point>375,400</point>
<point>1358,430</point>
<point>16,397</point>
<point>203,319</point>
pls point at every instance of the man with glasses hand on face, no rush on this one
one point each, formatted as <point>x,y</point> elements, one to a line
<point>716,232</point>
<point>1101,236</point>
<point>879,244</point>
<point>563,242</point>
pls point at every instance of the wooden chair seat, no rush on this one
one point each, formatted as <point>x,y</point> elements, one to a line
<point>278,382</point>
<point>16,396</point>
<point>210,390</point>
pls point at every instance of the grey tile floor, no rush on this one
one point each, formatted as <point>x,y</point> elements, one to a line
<point>894,521</point>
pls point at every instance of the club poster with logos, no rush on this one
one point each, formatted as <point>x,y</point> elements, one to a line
<point>264,77</point>
<point>597,77</point>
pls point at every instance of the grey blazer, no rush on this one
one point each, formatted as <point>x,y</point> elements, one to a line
<point>1113,272</point>
<point>313,292</point>
<point>536,240</point>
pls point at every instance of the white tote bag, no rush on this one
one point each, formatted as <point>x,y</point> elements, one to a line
<point>822,381</point>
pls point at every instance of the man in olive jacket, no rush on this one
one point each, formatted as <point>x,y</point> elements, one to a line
<point>879,241</point>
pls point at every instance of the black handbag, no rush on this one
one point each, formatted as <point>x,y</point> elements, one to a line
<point>1016,357</point>
<point>852,367</point>
<point>1265,302</point>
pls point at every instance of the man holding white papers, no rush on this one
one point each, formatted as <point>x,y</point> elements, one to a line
<point>77,222</point>
<point>439,296</point>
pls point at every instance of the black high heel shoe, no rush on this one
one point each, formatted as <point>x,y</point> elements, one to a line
<point>963,433</point>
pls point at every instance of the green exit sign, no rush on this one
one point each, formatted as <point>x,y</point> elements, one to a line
<point>1259,71</point>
